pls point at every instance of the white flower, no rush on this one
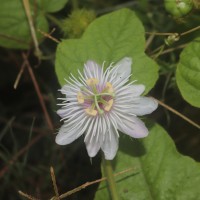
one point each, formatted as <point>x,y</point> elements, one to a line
<point>99,104</point>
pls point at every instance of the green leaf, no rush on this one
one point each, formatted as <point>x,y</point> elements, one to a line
<point>52,5</point>
<point>108,38</point>
<point>14,27</point>
<point>188,73</point>
<point>160,172</point>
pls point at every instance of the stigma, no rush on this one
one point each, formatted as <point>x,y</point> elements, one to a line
<point>96,99</point>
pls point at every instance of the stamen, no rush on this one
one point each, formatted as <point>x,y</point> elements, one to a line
<point>103,101</point>
<point>92,81</point>
<point>97,105</point>
<point>109,87</point>
<point>91,112</point>
<point>106,94</point>
<point>86,90</point>
<point>109,105</point>
<point>95,97</point>
<point>93,106</point>
<point>80,98</point>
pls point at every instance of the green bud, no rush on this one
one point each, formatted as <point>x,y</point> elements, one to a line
<point>75,25</point>
<point>179,8</point>
<point>171,39</point>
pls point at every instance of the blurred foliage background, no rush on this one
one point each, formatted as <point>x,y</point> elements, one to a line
<point>27,146</point>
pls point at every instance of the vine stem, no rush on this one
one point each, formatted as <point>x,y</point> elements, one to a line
<point>190,31</point>
<point>53,177</point>
<point>83,186</point>
<point>178,113</point>
<point>32,28</point>
<point>37,89</point>
<point>107,166</point>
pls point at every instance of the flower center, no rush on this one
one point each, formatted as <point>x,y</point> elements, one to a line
<point>95,98</point>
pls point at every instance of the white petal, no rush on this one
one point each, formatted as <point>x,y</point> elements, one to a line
<point>93,137</point>
<point>67,89</point>
<point>93,146</point>
<point>124,68</point>
<point>133,127</point>
<point>67,112</point>
<point>62,112</point>
<point>137,90</point>
<point>110,144</point>
<point>92,69</point>
<point>65,136</point>
<point>143,106</point>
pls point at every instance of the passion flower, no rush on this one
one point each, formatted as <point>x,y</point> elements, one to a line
<point>101,103</point>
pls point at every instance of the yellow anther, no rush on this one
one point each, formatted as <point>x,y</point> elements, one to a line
<point>80,98</point>
<point>92,81</point>
<point>109,105</point>
<point>109,87</point>
<point>91,112</point>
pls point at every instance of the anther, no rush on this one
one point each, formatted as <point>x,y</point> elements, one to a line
<point>80,98</point>
<point>92,81</point>
<point>109,105</point>
<point>109,87</point>
<point>91,112</point>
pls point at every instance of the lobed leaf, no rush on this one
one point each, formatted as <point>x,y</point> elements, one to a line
<point>160,172</point>
<point>188,73</point>
<point>108,38</point>
<point>52,5</point>
<point>14,28</point>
